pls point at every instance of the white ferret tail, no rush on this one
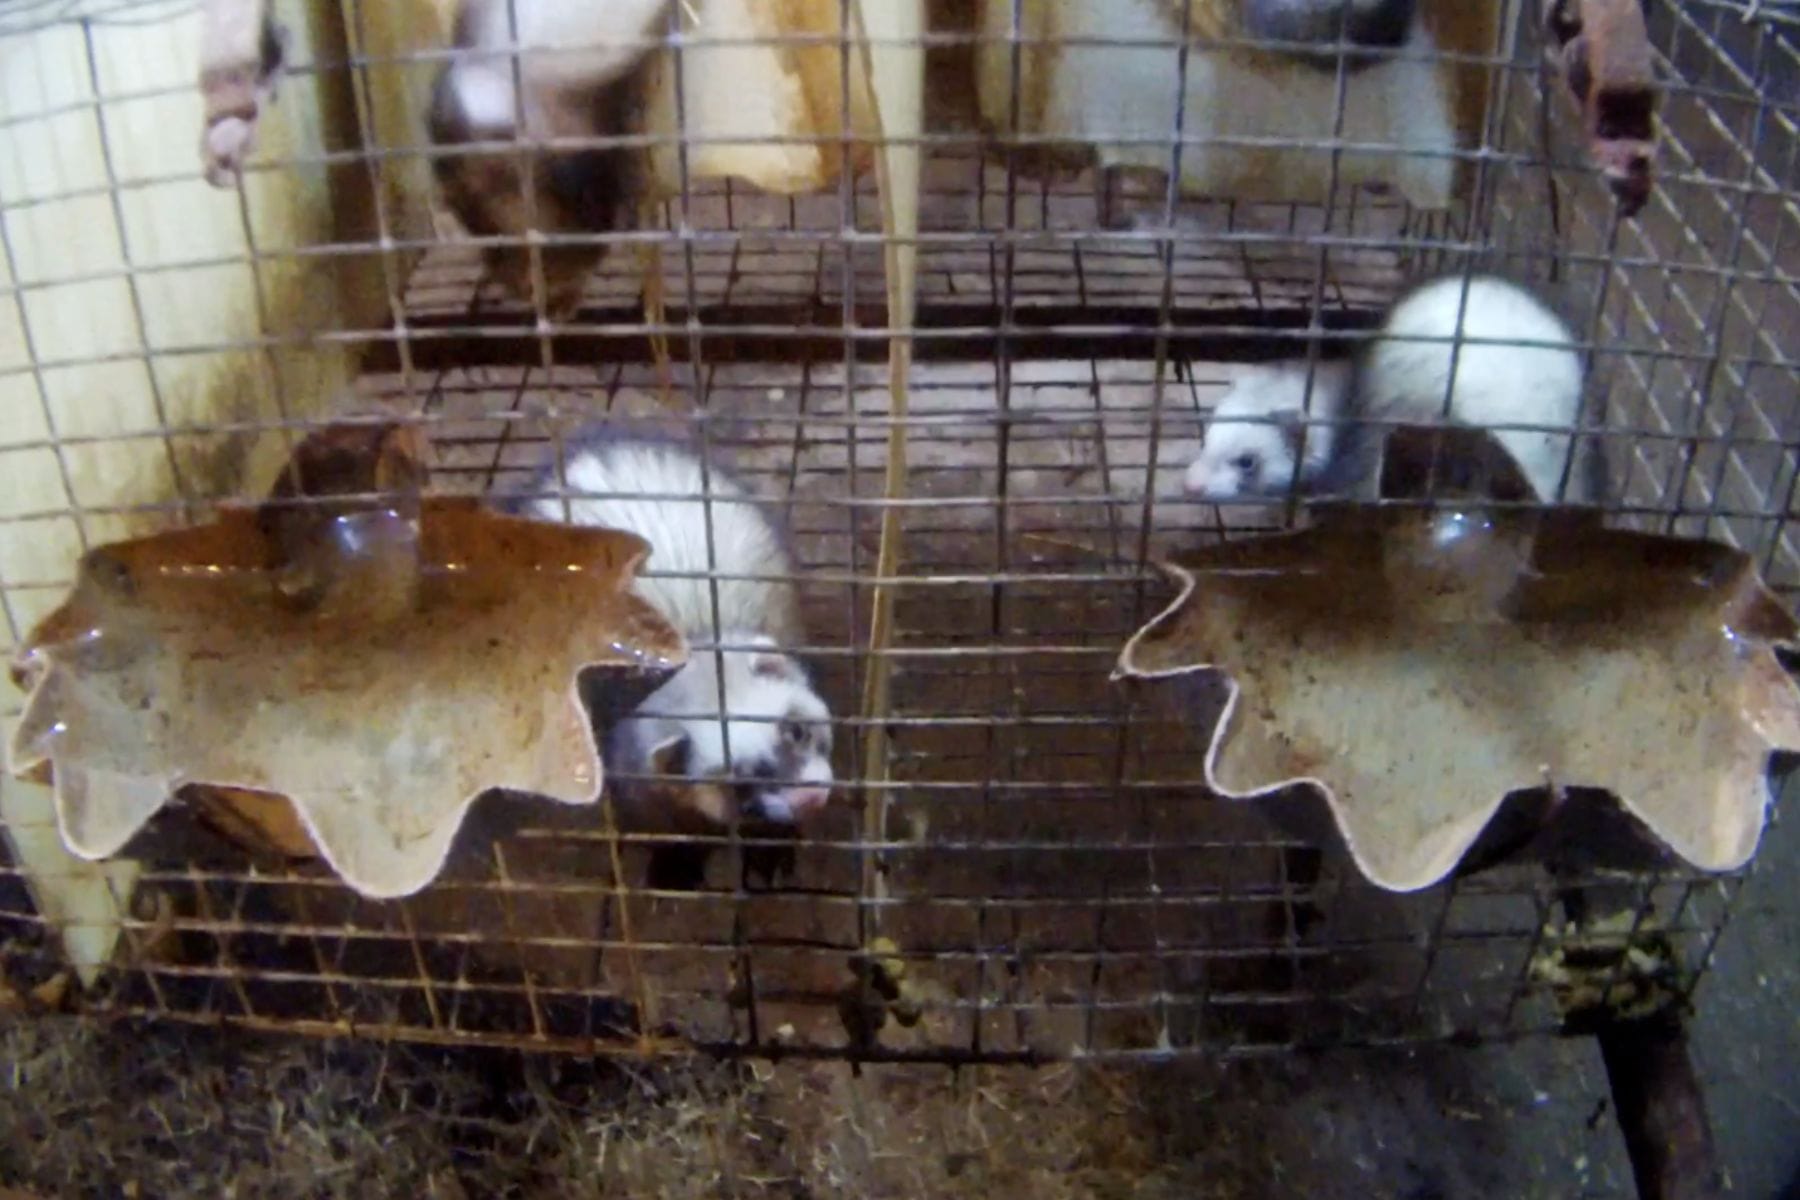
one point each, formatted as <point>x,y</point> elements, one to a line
<point>1517,373</point>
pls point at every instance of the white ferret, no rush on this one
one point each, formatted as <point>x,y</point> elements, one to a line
<point>1255,433</point>
<point>669,754</point>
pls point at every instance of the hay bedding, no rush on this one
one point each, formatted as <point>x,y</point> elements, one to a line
<point>171,1112</point>
<point>167,1112</point>
<point>161,1111</point>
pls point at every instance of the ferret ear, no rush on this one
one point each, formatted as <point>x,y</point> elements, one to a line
<point>1291,423</point>
<point>769,665</point>
<point>1294,431</point>
<point>670,756</point>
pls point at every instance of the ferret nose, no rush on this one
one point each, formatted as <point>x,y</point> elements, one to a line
<point>790,805</point>
<point>805,800</point>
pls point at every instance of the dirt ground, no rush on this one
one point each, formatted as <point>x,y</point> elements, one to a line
<point>118,1110</point>
<point>166,1112</point>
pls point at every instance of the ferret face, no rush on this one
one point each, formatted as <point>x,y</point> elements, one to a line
<point>1256,432</point>
<point>1244,458</point>
<point>1373,23</point>
<point>780,740</point>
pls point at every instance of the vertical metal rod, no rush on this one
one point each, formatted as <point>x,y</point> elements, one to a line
<point>1661,1109</point>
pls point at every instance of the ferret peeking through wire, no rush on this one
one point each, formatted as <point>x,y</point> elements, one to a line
<point>1517,373</point>
<point>679,763</point>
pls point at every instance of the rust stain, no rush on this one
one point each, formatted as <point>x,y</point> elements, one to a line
<point>1418,667</point>
<point>428,654</point>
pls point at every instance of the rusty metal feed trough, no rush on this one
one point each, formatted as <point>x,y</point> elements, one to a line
<point>1025,861</point>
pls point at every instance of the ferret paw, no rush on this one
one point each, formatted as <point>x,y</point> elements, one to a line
<point>226,146</point>
<point>234,95</point>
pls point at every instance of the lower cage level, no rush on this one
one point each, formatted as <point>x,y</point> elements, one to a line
<point>1056,880</point>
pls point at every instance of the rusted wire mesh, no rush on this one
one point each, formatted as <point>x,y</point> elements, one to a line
<point>1054,876</point>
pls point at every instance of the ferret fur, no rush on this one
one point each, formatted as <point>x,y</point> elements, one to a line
<point>1255,432</point>
<point>1084,90</point>
<point>1355,22</point>
<point>564,45</point>
<point>674,743</point>
<point>581,73</point>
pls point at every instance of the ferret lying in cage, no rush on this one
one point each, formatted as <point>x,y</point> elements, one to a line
<point>590,90</point>
<point>674,764</point>
<point>1516,365</point>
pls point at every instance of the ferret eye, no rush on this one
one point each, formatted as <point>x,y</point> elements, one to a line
<point>793,733</point>
<point>1245,463</point>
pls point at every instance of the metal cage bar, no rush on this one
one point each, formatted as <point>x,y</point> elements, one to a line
<point>1055,877</point>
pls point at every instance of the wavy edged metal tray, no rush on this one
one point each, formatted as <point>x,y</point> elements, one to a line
<point>1417,668</point>
<point>444,661</point>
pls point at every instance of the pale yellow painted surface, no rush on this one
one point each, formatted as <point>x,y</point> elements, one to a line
<point>124,286</point>
<point>396,87</point>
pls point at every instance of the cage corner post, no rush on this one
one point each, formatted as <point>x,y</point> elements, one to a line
<point>1657,1094</point>
<point>84,903</point>
<point>1661,1107</point>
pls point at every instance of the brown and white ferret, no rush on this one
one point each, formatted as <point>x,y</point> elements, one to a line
<point>678,763</point>
<point>579,68</point>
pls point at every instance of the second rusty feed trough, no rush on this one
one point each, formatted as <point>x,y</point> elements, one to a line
<point>1418,668</point>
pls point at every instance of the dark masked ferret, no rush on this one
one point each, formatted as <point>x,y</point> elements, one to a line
<point>1255,434</point>
<point>579,71</point>
<point>669,755</point>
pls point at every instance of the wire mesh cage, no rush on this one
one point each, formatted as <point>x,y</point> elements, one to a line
<point>1025,861</point>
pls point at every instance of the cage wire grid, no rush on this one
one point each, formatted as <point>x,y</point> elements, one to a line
<point>1055,875</point>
